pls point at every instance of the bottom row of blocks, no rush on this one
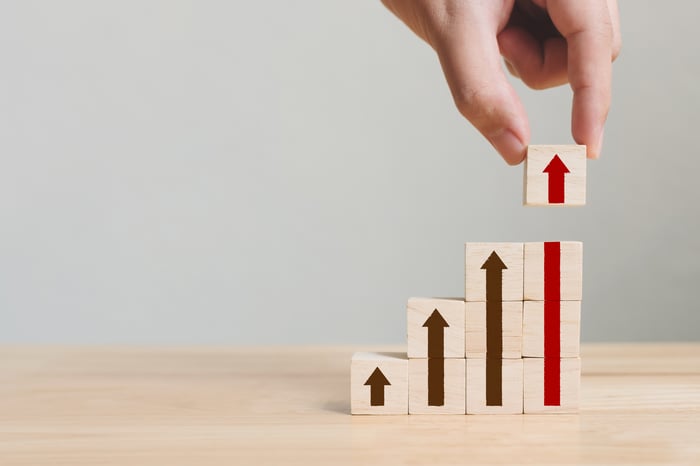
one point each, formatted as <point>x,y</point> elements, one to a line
<point>390,383</point>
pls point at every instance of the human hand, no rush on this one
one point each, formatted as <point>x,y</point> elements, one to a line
<point>545,43</point>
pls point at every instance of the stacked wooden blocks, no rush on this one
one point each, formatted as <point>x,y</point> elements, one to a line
<point>510,346</point>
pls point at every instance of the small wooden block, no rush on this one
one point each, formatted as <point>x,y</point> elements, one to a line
<point>555,175</point>
<point>421,391</point>
<point>379,383</point>
<point>511,387</point>
<point>562,259</point>
<point>569,386</point>
<point>497,261</point>
<point>448,323</point>
<point>569,329</point>
<point>512,329</point>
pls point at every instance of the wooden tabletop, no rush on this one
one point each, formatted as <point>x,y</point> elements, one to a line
<point>290,406</point>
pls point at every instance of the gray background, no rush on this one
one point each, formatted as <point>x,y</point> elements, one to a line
<point>291,172</point>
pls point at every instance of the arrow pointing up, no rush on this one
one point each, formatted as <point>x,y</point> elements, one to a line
<point>377,381</point>
<point>494,267</point>
<point>556,171</point>
<point>436,325</point>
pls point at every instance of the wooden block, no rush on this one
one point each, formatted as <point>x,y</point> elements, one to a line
<point>511,329</point>
<point>494,271</point>
<point>555,175</point>
<point>435,326</point>
<point>483,396</point>
<point>563,400</point>
<point>379,383</point>
<point>436,386</point>
<point>569,329</point>
<point>553,270</point>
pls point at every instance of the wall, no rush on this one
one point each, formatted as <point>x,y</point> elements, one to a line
<point>291,172</point>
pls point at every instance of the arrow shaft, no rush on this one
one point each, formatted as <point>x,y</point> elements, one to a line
<point>376,397</point>
<point>436,382</point>
<point>436,342</point>
<point>494,381</point>
<point>494,337</point>
<point>556,188</point>
<point>552,323</point>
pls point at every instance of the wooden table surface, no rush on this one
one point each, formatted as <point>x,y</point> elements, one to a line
<point>290,406</point>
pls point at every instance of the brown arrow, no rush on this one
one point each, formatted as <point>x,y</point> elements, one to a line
<point>377,381</point>
<point>436,325</point>
<point>494,267</point>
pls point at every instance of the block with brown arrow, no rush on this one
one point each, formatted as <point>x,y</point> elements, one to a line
<point>379,383</point>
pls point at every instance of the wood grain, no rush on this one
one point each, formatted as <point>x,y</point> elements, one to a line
<point>512,331</point>
<point>640,405</point>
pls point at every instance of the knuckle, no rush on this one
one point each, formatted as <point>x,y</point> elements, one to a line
<point>478,104</point>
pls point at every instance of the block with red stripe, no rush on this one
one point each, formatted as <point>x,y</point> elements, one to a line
<point>551,385</point>
<point>553,271</point>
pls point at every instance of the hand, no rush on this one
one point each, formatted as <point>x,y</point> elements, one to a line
<point>545,43</point>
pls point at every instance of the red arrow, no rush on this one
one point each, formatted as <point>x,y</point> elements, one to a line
<point>556,171</point>
<point>377,381</point>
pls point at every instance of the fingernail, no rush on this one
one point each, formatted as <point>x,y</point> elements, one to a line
<point>509,146</point>
<point>599,146</point>
<point>511,68</point>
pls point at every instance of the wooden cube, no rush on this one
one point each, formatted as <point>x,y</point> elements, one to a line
<point>555,175</point>
<point>494,271</point>
<point>552,385</point>
<point>553,271</point>
<point>379,383</point>
<point>569,324</point>
<point>436,386</point>
<point>435,328</point>
<point>477,329</point>
<point>494,386</point>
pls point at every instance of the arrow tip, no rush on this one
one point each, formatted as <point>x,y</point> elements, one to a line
<point>377,378</point>
<point>556,166</point>
<point>494,262</point>
<point>435,320</point>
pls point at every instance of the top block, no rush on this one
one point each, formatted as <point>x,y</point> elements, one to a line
<point>555,175</point>
<point>493,272</point>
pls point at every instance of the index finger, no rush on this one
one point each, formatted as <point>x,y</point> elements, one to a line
<point>588,31</point>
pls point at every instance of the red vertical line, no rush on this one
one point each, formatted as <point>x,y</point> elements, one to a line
<point>552,308</point>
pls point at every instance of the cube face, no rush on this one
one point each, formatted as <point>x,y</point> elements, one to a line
<point>436,386</point>
<point>430,320</point>
<point>379,383</point>
<point>477,331</point>
<point>555,175</point>
<point>493,270</point>
<point>534,329</point>
<point>480,384</point>
<point>553,268</point>
<point>546,393</point>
